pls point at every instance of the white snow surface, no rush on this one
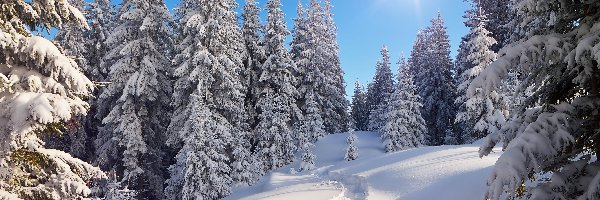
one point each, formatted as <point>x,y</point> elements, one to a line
<point>442,172</point>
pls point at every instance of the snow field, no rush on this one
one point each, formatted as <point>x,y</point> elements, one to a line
<point>443,172</point>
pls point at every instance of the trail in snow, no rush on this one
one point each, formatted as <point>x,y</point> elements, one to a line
<point>444,172</point>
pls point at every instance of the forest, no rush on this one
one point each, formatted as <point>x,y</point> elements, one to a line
<point>131,100</point>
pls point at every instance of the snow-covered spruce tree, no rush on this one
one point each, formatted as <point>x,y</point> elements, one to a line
<point>201,170</point>
<point>379,91</point>
<point>555,132</point>
<point>435,85</point>
<point>417,57</point>
<point>351,150</point>
<point>40,89</point>
<point>132,139</point>
<point>302,51</point>
<point>404,127</point>
<point>276,102</point>
<point>499,14</point>
<point>251,32</point>
<point>311,130</point>
<point>315,51</point>
<point>210,62</point>
<point>101,17</point>
<point>358,110</point>
<point>481,114</point>
<point>71,36</point>
<point>335,106</point>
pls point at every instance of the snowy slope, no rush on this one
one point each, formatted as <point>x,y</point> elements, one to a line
<point>444,172</point>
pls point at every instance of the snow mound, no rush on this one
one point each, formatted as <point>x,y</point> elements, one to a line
<point>442,172</point>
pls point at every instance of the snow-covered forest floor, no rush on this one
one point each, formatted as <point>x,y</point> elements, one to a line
<point>441,172</point>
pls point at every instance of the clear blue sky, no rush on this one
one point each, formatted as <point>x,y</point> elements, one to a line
<point>364,26</point>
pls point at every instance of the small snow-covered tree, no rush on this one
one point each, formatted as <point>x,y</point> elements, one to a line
<point>40,90</point>
<point>201,170</point>
<point>404,127</point>
<point>554,133</point>
<point>351,150</point>
<point>132,138</point>
<point>358,109</point>
<point>481,114</point>
<point>379,91</point>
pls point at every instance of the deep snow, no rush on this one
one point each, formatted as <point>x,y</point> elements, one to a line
<point>443,172</point>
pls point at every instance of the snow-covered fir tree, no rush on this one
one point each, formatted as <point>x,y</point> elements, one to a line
<point>417,59</point>
<point>379,91</point>
<point>403,127</point>
<point>71,36</point>
<point>434,81</point>
<point>252,31</point>
<point>276,101</point>
<point>315,52</point>
<point>210,63</point>
<point>351,150</point>
<point>358,110</point>
<point>101,17</point>
<point>335,106</point>
<point>40,90</point>
<point>480,114</point>
<point>201,170</point>
<point>552,137</point>
<point>303,53</point>
<point>137,98</point>
<point>499,15</point>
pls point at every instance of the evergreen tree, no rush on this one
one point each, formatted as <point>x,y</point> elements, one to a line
<point>379,91</point>
<point>499,19</point>
<point>276,100</point>
<point>553,131</point>
<point>351,151</point>
<point>481,115</point>
<point>434,82</point>
<point>359,113</point>
<point>417,59</point>
<point>40,89</point>
<point>210,64</point>
<point>201,170</point>
<point>315,51</point>
<point>335,108</point>
<point>132,139</point>
<point>404,127</point>
<point>71,36</point>
<point>251,32</point>
<point>101,19</point>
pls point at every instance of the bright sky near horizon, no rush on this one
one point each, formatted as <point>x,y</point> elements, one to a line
<point>364,26</point>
